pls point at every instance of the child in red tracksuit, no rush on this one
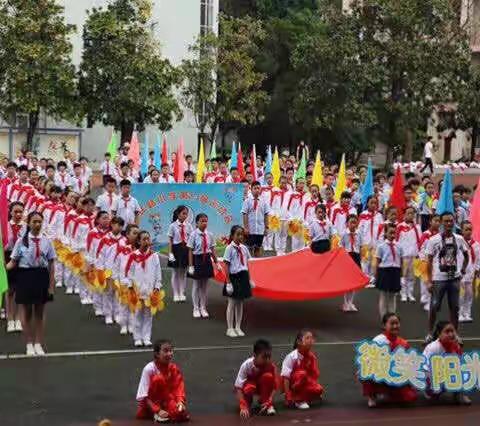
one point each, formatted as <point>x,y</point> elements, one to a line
<point>300,373</point>
<point>257,376</point>
<point>161,391</point>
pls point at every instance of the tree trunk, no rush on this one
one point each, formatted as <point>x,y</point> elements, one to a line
<point>126,132</point>
<point>408,148</point>
<point>392,132</point>
<point>32,128</point>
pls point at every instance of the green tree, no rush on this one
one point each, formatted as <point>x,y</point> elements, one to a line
<point>222,83</point>
<point>36,71</point>
<point>123,80</point>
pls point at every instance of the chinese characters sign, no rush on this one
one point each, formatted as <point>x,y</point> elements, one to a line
<point>220,202</point>
<point>448,372</point>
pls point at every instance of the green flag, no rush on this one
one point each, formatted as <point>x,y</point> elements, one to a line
<point>113,145</point>
<point>213,151</point>
<point>3,272</point>
<point>302,168</point>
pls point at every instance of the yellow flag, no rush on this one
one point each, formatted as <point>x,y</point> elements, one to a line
<point>341,180</point>
<point>201,164</point>
<point>276,168</point>
<point>317,177</point>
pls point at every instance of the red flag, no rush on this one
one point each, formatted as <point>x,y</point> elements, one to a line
<point>179,167</point>
<point>253,163</point>
<point>134,151</point>
<point>241,169</point>
<point>164,151</point>
<point>397,198</point>
<point>4,212</point>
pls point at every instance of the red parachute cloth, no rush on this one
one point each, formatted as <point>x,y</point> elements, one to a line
<point>303,275</point>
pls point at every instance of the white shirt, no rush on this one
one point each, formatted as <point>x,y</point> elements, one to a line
<point>387,258</point>
<point>174,231</point>
<point>247,370</point>
<point>428,150</point>
<point>26,256</point>
<point>79,184</point>
<point>62,179</point>
<point>119,178</point>
<point>255,209</point>
<point>346,242</point>
<point>148,372</point>
<point>232,256</point>
<point>321,230</point>
<point>14,236</point>
<point>292,360</point>
<point>433,249</point>
<point>295,204</point>
<point>146,276</point>
<point>195,242</point>
<point>409,236</point>
<point>126,208</point>
<point>107,202</point>
<point>108,168</point>
<point>368,227</point>
<point>473,260</point>
<point>339,215</point>
<point>166,179</point>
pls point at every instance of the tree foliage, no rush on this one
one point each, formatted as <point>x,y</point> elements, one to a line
<point>36,71</point>
<point>222,82</point>
<point>124,81</point>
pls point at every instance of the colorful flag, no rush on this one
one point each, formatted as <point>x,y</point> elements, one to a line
<point>233,156</point>
<point>164,151</point>
<point>201,164</point>
<point>240,166</point>
<point>341,180</point>
<point>397,198</point>
<point>367,188</point>
<point>157,159</point>
<point>445,202</point>
<point>302,168</point>
<point>179,167</point>
<point>317,177</point>
<point>268,164</point>
<point>134,151</point>
<point>3,238</point>
<point>253,163</point>
<point>145,156</point>
<point>475,213</point>
<point>213,151</point>
<point>276,172</point>
<point>113,145</point>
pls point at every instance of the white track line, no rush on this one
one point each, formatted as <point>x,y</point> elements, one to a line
<point>6,357</point>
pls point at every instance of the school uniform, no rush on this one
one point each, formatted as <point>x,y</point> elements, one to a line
<point>466,284</point>
<point>265,194</point>
<point>32,273</point>
<point>278,208</point>
<point>120,259</point>
<point>80,226</point>
<point>166,179</point>
<point>62,179</point>
<point>427,205</point>
<point>309,214</point>
<point>295,211</point>
<point>394,393</point>
<point>367,227</point>
<point>252,380</point>
<point>79,184</point>
<point>126,208</point>
<point>321,233</point>
<point>108,170</point>
<point>144,272</point>
<point>86,172</point>
<point>302,372</point>
<point>389,254</point>
<point>15,231</point>
<point>256,210</point>
<point>94,237</point>
<point>120,177</point>
<point>408,236</point>
<point>16,191</point>
<point>237,257</point>
<point>107,202</point>
<point>164,386</point>
<point>338,217</point>
<point>425,295</point>
<point>352,243</point>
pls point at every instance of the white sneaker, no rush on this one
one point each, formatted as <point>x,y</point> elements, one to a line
<point>116,319</point>
<point>18,325</point>
<point>204,313</point>
<point>426,307</point>
<point>412,299</point>
<point>271,411</point>
<point>231,333</point>
<point>461,318</point>
<point>3,314</point>
<point>158,419</point>
<point>58,284</point>
<point>352,308</point>
<point>302,406</point>
<point>176,299</point>
<point>69,290</point>
<point>88,301</point>
<point>239,332</point>
<point>108,320</point>
<point>30,349</point>
<point>468,318</point>
<point>76,291</point>
<point>98,313</point>
<point>123,331</point>
<point>182,298</point>
<point>147,343</point>
<point>345,308</point>
<point>403,298</point>
<point>38,349</point>
<point>10,326</point>
<point>130,329</point>
<point>196,313</point>
<point>138,343</point>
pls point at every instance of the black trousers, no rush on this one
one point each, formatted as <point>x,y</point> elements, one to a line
<point>428,163</point>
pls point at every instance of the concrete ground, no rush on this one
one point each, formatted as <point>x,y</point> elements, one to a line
<point>92,372</point>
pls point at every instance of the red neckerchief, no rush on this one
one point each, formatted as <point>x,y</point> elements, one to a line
<point>452,347</point>
<point>392,250</point>
<point>328,205</point>
<point>308,205</point>
<point>182,232</point>
<point>396,341</point>
<point>83,221</point>
<point>36,240</point>
<point>322,225</point>
<point>352,241</point>
<point>125,201</point>
<point>274,194</point>
<point>240,253</point>
<point>138,258</point>
<point>204,237</point>
<point>16,227</point>
<point>107,240</point>
<point>255,203</point>
<point>471,242</point>
<point>298,196</point>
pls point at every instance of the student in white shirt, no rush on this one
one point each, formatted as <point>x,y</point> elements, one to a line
<point>471,273</point>
<point>107,167</point>
<point>166,177</point>
<point>238,286</point>
<point>126,206</point>
<point>144,271</point>
<point>428,155</point>
<point>124,174</point>
<point>255,211</point>
<point>78,182</point>
<point>178,234</point>
<point>389,262</point>
<point>295,210</point>
<point>201,245</point>
<point>108,200</point>
<point>62,177</point>
<point>33,258</point>
<point>86,170</point>
<point>341,211</point>
<point>189,164</point>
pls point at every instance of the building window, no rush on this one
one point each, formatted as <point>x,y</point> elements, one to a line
<point>206,16</point>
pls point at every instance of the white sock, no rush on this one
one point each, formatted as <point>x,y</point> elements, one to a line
<point>230,313</point>
<point>238,314</point>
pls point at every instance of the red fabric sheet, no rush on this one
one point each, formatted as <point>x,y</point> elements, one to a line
<point>303,275</point>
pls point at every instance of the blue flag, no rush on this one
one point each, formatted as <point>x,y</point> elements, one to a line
<point>367,187</point>
<point>157,160</point>
<point>233,156</point>
<point>145,157</point>
<point>268,164</point>
<point>445,202</point>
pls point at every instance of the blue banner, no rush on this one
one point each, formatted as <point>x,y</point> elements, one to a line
<point>220,202</point>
